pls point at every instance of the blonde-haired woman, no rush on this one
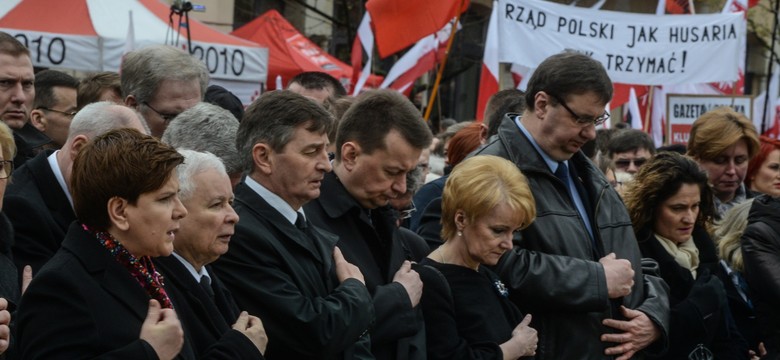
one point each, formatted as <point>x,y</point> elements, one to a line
<point>728,234</point>
<point>485,201</point>
<point>723,141</point>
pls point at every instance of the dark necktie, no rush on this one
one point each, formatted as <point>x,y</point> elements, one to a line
<point>300,223</point>
<point>562,173</point>
<point>205,283</point>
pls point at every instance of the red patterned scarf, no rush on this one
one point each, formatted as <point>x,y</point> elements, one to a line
<point>141,269</point>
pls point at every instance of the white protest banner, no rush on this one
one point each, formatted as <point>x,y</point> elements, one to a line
<point>634,48</point>
<point>683,109</point>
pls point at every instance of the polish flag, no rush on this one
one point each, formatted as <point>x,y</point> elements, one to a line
<point>399,24</point>
<point>362,48</point>
<point>488,78</point>
<point>633,110</point>
<point>621,93</point>
<point>520,76</point>
<point>737,87</point>
<point>421,58</point>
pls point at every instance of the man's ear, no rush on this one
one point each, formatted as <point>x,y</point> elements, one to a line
<point>541,100</point>
<point>483,132</point>
<point>131,102</point>
<point>38,119</point>
<point>263,159</point>
<point>117,213</point>
<point>75,146</point>
<point>349,154</point>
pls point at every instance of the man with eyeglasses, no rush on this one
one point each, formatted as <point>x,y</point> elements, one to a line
<point>629,149</point>
<point>161,82</point>
<point>577,268</point>
<point>54,105</point>
<point>39,193</point>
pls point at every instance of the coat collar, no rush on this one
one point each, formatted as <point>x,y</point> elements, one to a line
<point>50,189</point>
<point>324,243</point>
<point>335,199</point>
<point>109,274</point>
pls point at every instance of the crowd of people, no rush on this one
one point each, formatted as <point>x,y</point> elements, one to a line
<point>148,215</point>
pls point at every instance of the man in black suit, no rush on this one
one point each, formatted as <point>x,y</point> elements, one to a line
<point>279,266</point>
<point>379,141</point>
<point>205,308</point>
<point>16,98</point>
<point>38,193</point>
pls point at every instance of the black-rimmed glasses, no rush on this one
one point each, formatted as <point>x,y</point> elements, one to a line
<point>69,114</point>
<point>582,120</point>
<point>165,116</point>
<point>6,168</point>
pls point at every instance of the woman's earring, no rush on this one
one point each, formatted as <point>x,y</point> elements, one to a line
<point>460,233</point>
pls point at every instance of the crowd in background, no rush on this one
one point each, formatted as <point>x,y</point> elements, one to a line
<point>148,215</point>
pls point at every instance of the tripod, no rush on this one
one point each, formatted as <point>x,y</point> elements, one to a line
<point>182,9</point>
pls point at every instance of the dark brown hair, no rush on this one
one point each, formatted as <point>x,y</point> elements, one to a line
<point>661,178</point>
<point>120,163</point>
<point>377,112</point>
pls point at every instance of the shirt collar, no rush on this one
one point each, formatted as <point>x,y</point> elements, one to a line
<point>552,164</point>
<point>55,168</point>
<point>195,274</point>
<point>274,200</point>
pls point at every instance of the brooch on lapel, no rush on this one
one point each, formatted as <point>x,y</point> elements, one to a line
<point>501,288</point>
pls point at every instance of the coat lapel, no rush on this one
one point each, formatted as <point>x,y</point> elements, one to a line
<point>178,276</point>
<point>50,189</point>
<point>115,279</point>
<point>255,203</point>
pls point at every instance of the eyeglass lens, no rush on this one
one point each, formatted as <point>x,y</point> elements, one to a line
<point>6,167</point>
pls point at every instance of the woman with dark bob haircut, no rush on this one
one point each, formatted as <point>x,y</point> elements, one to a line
<point>100,295</point>
<point>671,206</point>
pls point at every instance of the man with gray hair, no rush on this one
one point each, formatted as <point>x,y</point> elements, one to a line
<point>39,193</point>
<point>161,82</point>
<point>205,307</point>
<point>210,128</point>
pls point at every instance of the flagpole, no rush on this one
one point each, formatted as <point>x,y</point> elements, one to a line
<point>649,109</point>
<point>443,64</point>
<point>769,69</point>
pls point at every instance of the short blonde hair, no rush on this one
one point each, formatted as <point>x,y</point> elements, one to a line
<point>479,184</point>
<point>728,233</point>
<point>7,142</point>
<point>717,130</point>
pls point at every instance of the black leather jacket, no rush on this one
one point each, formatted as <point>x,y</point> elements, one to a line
<point>553,270</point>
<point>761,252</point>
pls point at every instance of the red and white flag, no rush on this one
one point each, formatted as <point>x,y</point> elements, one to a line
<point>363,48</point>
<point>400,23</point>
<point>633,110</point>
<point>421,58</point>
<point>488,78</point>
